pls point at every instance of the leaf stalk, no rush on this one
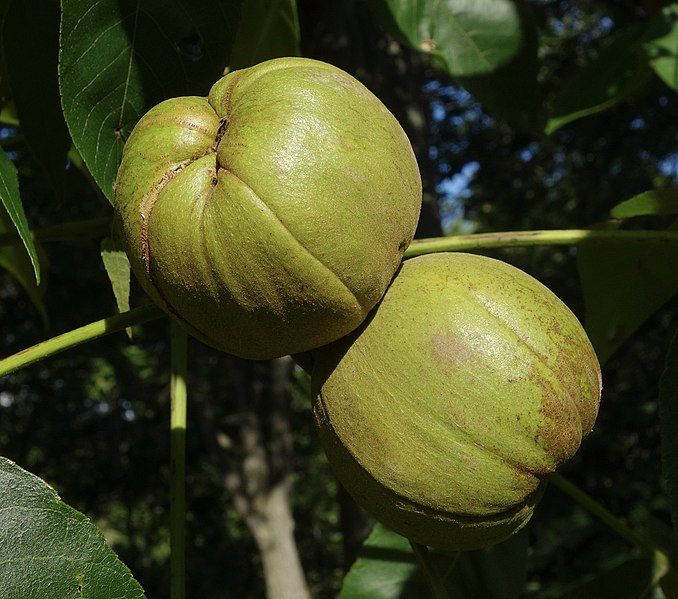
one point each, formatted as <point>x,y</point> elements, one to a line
<point>91,331</point>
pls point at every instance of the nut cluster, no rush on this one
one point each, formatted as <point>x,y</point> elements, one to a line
<point>271,217</point>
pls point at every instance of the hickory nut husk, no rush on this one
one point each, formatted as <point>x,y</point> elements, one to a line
<point>443,413</point>
<point>269,217</point>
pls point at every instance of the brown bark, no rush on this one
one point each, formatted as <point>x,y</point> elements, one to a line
<point>257,469</point>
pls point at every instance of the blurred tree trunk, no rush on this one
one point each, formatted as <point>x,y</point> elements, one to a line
<point>258,468</point>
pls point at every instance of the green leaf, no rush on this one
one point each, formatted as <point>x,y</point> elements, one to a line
<point>469,38</point>
<point>648,203</point>
<point>668,421</point>
<point>497,572</point>
<point>48,549</point>
<point>384,569</point>
<point>623,284</point>
<point>14,259</point>
<point>387,569</point>
<point>628,580</point>
<point>619,70</point>
<point>118,270</point>
<point>32,73</point>
<point>511,93</point>
<point>9,194</point>
<point>662,49</point>
<point>121,57</point>
<point>267,29</point>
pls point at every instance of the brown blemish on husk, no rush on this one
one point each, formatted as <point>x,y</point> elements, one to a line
<point>449,350</point>
<point>552,434</point>
<point>555,433</point>
<point>146,209</point>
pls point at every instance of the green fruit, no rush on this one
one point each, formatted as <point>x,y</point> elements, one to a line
<point>269,217</point>
<point>443,413</point>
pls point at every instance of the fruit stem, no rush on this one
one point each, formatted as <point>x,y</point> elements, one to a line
<point>428,569</point>
<point>479,241</point>
<point>99,227</point>
<point>73,231</point>
<point>94,330</point>
<point>178,395</point>
<point>590,504</point>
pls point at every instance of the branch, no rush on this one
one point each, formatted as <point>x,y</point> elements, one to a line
<point>479,241</point>
<point>94,330</point>
<point>606,516</point>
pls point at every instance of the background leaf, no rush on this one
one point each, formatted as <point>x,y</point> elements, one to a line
<point>497,572</point>
<point>117,268</point>
<point>386,568</point>
<point>14,259</point>
<point>628,580</point>
<point>470,38</point>
<point>662,50</point>
<point>121,57</point>
<point>511,92</point>
<point>48,549</point>
<point>653,202</point>
<point>668,412</point>
<point>619,69</point>
<point>11,201</point>
<point>36,97</point>
<point>641,277</point>
<point>266,30</point>
<point>119,273</point>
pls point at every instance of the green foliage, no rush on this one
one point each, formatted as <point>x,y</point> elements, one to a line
<point>11,204</point>
<point>36,97</point>
<point>649,203</point>
<point>512,92</point>
<point>468,38</point>
<point>266,30</point>
<point>640,277</point>
<point>14,259</point>
<point>619,70</point>
<point>118,271</point>
<point>662,50</point>
<point>387,569</point>
<point>118,59</point>
<point>49,549</point>
<point>629,579</point>
<point>498,572</point>
<point>668,410</point>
